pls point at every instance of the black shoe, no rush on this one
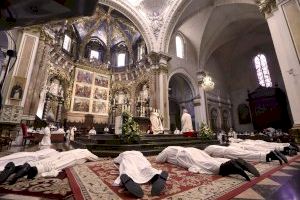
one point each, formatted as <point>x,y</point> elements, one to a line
<point>132,186</point>
<point>231,167</point>
<point>22,172</point>
<point>273,156</point>
<point>281,156</point>
<point>247,166</point>
<point>295,146</point>
<point>158,183</point>
<point>286,151</point>
<point>32,172</point>
<point>8,170</point>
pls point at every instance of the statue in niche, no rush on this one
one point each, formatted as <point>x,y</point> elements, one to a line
<point>144,94</point>
<point>120,97</point>
<point>54,87</point>
<point>16,92</point>
<point>60,91</point>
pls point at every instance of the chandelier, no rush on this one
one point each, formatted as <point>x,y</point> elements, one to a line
<point>205,81</point>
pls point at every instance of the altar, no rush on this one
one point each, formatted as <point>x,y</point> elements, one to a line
<point>144,123</point>
<point>56,136</point>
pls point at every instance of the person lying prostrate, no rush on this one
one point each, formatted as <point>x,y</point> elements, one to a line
<point>233,152</point>
<point>198,161</point>
<point>135,169</point>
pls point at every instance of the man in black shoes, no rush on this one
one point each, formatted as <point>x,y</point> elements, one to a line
<point>16,172</point>
<point>198,161</point>
<point>273,156</point>
<point>50,166</point>
<point>9,169</point>
<point>135,169</point>
<point>233,152</point>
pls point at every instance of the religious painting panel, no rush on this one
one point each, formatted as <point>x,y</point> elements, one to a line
<point>84,77</point>
<point>90,92</point>
<point>101,81</point>
<point>244,114</point>
<point>100,107</point>
<point>83,91</point>
<point>81,105</point>
<point>100,93</point>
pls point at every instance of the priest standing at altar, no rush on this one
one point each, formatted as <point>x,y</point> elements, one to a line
<point>186,122</point>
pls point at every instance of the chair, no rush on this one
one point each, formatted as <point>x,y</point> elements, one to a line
<point>26,136</point>
<point>5,139</point>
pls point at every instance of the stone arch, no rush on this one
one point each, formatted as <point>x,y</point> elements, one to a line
<point>182,93</point>
<point>187,77</point>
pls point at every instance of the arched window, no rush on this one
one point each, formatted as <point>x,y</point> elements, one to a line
<point>67,43</point>
<point>94,55</point>
<point>141,51</point>
<point>121,59</point>
<point>179,46</point>
<point>262,70</point>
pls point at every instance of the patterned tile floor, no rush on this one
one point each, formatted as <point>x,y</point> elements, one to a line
<point>282,185</point>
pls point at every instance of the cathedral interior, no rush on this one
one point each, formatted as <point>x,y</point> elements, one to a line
<point>113,76</point>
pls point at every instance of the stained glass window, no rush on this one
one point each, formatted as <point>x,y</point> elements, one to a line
<point>262,70</point>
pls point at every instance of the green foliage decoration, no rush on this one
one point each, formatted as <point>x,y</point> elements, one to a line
<point>130,129</point>
<point>205,132</point>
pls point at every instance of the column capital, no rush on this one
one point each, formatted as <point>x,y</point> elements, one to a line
<point>158,60</point>
<point>266,6</point>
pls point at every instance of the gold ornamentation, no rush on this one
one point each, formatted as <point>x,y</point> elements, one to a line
<point>266,6</point>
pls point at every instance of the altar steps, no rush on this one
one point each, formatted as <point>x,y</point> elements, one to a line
<point>112,146</point>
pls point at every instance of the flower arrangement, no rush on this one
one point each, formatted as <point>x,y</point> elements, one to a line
<point>205,132</point>
<point>130,129</point>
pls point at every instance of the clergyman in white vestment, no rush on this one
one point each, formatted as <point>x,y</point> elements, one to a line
<point>52,165</point>
<point>46,140</point>
<point>22,157</point>
<point>136,166</point>
<point>198,161</point>
<point>156,124</point>
<point>135,169</point>
<point>186,122</point>
<point>232,152</point>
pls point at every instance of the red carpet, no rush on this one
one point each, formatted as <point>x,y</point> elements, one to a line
<point>94,181</point>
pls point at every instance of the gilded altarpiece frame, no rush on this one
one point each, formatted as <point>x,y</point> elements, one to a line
<point>90,93</point>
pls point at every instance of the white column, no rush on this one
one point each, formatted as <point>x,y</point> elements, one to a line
<point>202,108</point>
<point>284,25</point>
<point>159,63</point>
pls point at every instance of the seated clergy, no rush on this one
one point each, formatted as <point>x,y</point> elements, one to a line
<point>186,122</point>
<point>135,169</point>
<point>232,133</point>
<point>232,152</point>
<point>49,166</point>
<point>198,161</point>
<point>92,131</point>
